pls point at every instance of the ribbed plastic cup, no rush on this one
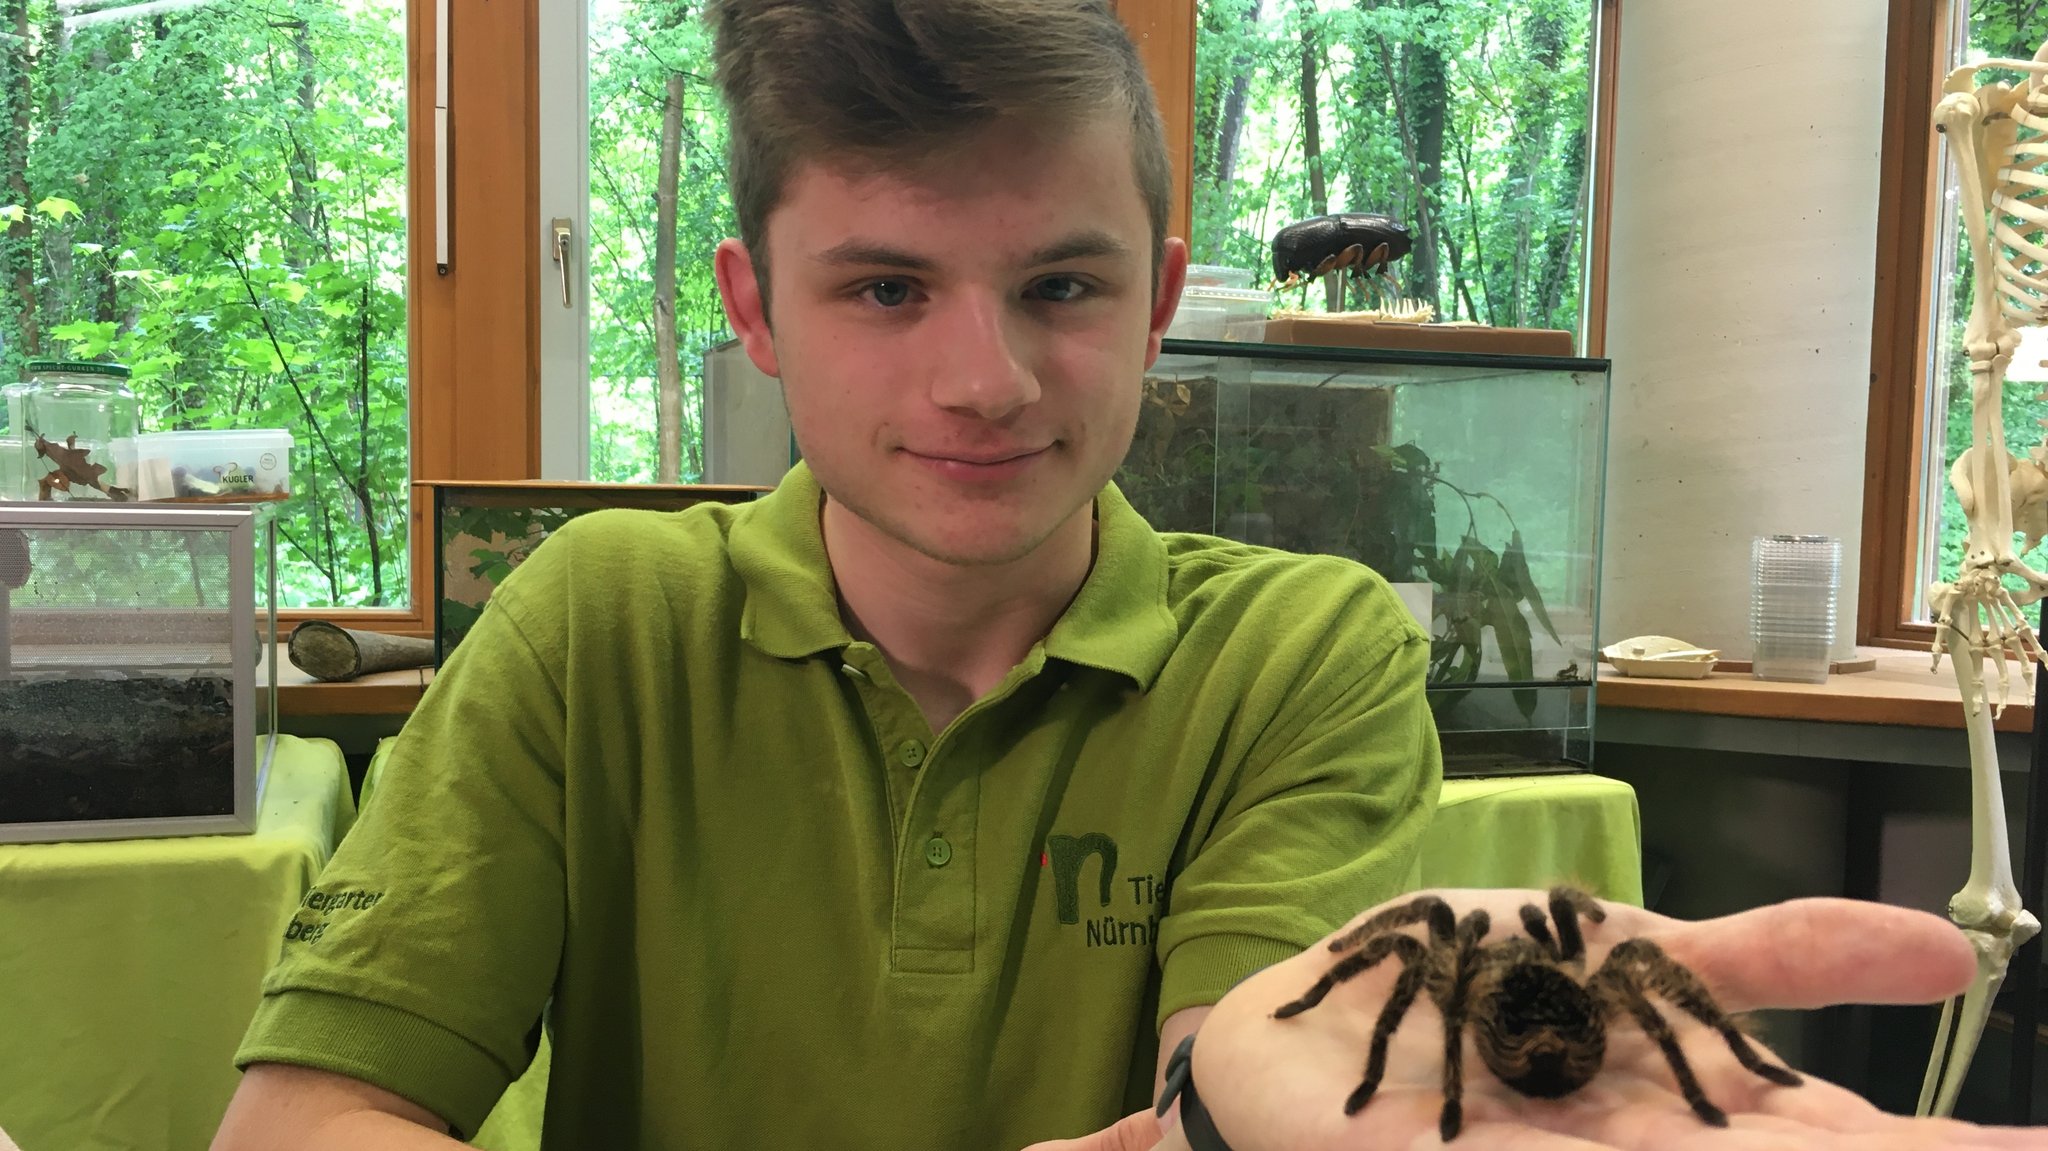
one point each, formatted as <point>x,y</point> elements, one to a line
<point>1794,584</point>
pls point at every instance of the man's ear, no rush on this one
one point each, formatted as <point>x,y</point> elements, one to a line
<point>747,310</point>
<point>1173,275</point>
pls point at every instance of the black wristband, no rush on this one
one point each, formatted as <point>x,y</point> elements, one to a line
<point>1194,1118</point>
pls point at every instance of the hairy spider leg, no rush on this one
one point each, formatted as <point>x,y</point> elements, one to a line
<point>1538,929</point>
<point>1471,930</point>
<point>1613,983</point>
<point>1648,967</point>
<point>1443,922</point>
<point>1351,965</point>
<point>1415,969</point>
<point>1567,906</point>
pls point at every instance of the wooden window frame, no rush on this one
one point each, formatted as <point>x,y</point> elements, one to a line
<point>473,344</point>
<point>1916,47</point>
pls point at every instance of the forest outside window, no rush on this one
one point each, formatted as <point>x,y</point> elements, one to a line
<point>1466,120</point>
<point>214,194</point>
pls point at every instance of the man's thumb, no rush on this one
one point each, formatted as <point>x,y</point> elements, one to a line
<point>1138,1131</point>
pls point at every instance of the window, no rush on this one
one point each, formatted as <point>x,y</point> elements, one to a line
<point>1984,29</point>
<point>1920,390</point>
<point>214,194</point>
<point>1469,121</point>
<point>633,157</point>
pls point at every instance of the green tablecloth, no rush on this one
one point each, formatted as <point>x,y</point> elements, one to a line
<point>1512,831</point>
<point>1534,831</point>
<point>129,969</point>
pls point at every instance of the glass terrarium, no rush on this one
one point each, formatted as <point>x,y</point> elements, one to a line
<point>1471,482</point>
<point>129,651</point>
<point>482,530</point>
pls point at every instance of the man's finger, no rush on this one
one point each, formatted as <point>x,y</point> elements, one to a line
<point>1809,953</point>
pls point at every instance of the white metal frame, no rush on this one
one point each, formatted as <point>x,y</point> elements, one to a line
<point>240,524</point>
<point>564,194</point>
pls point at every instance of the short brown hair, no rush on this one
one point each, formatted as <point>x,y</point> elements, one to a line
<point>887,80</point>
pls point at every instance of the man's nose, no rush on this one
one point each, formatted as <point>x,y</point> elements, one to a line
<point>982,367</point>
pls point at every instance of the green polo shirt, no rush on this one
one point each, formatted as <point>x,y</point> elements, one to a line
<point>660,791</point>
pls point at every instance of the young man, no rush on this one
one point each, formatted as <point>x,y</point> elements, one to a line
<point>926,802</point>
<point>904,807</point>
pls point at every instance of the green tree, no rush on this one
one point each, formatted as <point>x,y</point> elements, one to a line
<point>224,192</point>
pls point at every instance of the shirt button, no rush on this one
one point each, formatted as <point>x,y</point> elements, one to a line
<point>938,852</point>
<point>911,753</point>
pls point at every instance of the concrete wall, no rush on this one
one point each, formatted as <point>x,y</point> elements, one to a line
<point>1741,275</point>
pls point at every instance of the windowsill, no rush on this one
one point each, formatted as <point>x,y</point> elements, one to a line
<point>1899,692</point>
<point>385,693</point>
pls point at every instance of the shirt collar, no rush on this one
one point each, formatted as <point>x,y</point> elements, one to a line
<point>1119,621</point>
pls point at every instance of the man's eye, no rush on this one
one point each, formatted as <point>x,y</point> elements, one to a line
<point>1059,289</point>
<point>889,293</point>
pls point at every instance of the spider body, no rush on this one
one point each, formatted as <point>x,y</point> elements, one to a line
<point>1539,1023</point>
<point>1540,1032</point>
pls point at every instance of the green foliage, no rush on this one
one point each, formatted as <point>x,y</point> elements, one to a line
<point>496,540</point>
<point>219,204</point>
<point>636,45</point>
<point>1464,119</point>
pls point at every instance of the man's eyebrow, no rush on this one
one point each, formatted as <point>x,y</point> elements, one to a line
<point>1079,246</point>
<point>866,254</point>
<point>869,254</point>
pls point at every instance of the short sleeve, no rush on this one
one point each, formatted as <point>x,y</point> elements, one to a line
<point>1326,816</point>
<point>421,960</point>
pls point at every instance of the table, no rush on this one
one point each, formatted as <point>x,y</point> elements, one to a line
<point>1534,831</point>
<point>1505,831</point>
<point>129,969</point>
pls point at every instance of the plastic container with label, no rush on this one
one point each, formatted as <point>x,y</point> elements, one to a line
<point>237,465</point>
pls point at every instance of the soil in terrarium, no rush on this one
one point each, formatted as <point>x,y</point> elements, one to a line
<point>134,748</point>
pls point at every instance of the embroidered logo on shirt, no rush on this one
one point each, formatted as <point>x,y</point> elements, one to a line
<point>318,908</point>
<point>1068,856</point>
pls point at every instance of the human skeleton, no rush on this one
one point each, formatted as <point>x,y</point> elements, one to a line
<point>1999,137</point>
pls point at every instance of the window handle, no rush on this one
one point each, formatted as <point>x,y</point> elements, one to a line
<point>562,231</point>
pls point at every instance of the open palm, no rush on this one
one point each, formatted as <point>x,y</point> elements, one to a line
<point>1275,1084</point>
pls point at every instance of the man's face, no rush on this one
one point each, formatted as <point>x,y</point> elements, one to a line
<point>962,345</point>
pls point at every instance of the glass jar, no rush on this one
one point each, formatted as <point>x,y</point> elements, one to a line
<point>79,422</point>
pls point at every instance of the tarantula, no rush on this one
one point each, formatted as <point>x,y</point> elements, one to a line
<point>1541,1023</point>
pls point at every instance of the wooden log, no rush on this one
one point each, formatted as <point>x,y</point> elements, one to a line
<point>337,654</point>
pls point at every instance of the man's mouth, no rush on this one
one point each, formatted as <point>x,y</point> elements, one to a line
<point>980,458</point>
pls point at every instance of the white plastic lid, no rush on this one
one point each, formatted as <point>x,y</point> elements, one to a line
<point>1226,295</point>
<point>1218,276</point>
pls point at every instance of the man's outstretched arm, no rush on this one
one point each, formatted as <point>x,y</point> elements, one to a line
<point>282,1107</point>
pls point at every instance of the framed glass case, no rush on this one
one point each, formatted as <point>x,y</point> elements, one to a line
<point>1471,482</point>
<point>482,530</point>
<point>130,642</point>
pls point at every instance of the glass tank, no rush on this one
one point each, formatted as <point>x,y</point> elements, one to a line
<point>130,642</point>
<point>1471,482</point>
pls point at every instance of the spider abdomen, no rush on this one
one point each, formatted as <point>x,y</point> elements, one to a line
<point>1539,1031</point>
